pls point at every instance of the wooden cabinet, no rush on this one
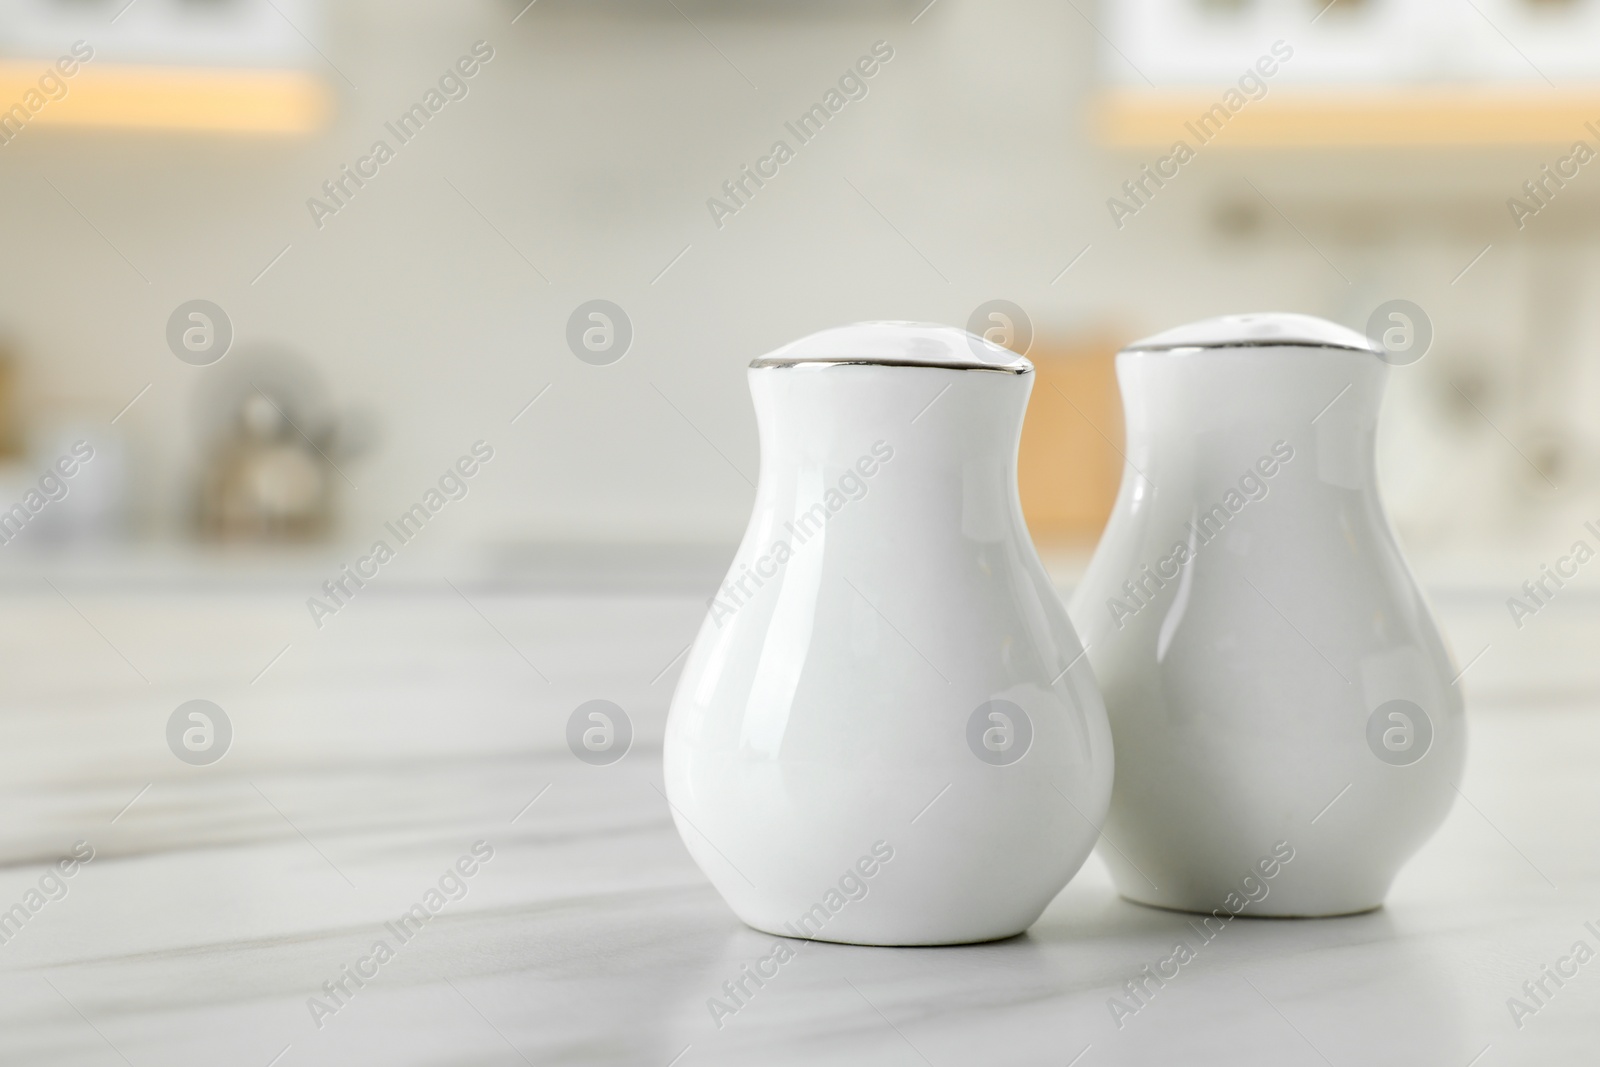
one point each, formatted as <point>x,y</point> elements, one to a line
<point>1070,464</point>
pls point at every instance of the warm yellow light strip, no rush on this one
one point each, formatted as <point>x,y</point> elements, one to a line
<point>172,98</point>
<point>1337,117</point>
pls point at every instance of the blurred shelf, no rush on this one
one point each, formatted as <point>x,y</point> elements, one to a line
<point>1352,118</point>
<point>546,567</point>
<point>217,100</point>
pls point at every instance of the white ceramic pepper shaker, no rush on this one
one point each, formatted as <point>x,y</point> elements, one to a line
<point>885,732</point>
<point>1275,682</point>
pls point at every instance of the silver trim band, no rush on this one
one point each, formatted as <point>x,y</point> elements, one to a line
<point>765,363</point>
<point>1249,344</point>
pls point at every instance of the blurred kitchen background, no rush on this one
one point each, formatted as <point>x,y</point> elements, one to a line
<point>372,345</point>
<point>273,341</point>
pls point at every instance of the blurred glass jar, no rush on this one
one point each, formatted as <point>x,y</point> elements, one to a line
<point>270,447</point>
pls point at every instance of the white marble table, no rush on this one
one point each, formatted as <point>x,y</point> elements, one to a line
<point>370,756</point>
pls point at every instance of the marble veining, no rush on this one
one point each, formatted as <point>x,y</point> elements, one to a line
<point>378,751</point>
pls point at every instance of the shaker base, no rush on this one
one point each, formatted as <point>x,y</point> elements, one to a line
<point>1337,912</point>
<point>867,940</point>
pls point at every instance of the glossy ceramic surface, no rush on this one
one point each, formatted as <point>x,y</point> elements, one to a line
<point>885,732</point>
<point>1274,680</point>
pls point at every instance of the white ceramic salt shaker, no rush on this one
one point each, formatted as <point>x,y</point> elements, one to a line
<point>1275,682</point>
<point>885,733</point>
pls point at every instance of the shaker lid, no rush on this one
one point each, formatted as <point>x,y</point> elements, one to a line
<point>1259,330</point>
<point>898,344</point>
